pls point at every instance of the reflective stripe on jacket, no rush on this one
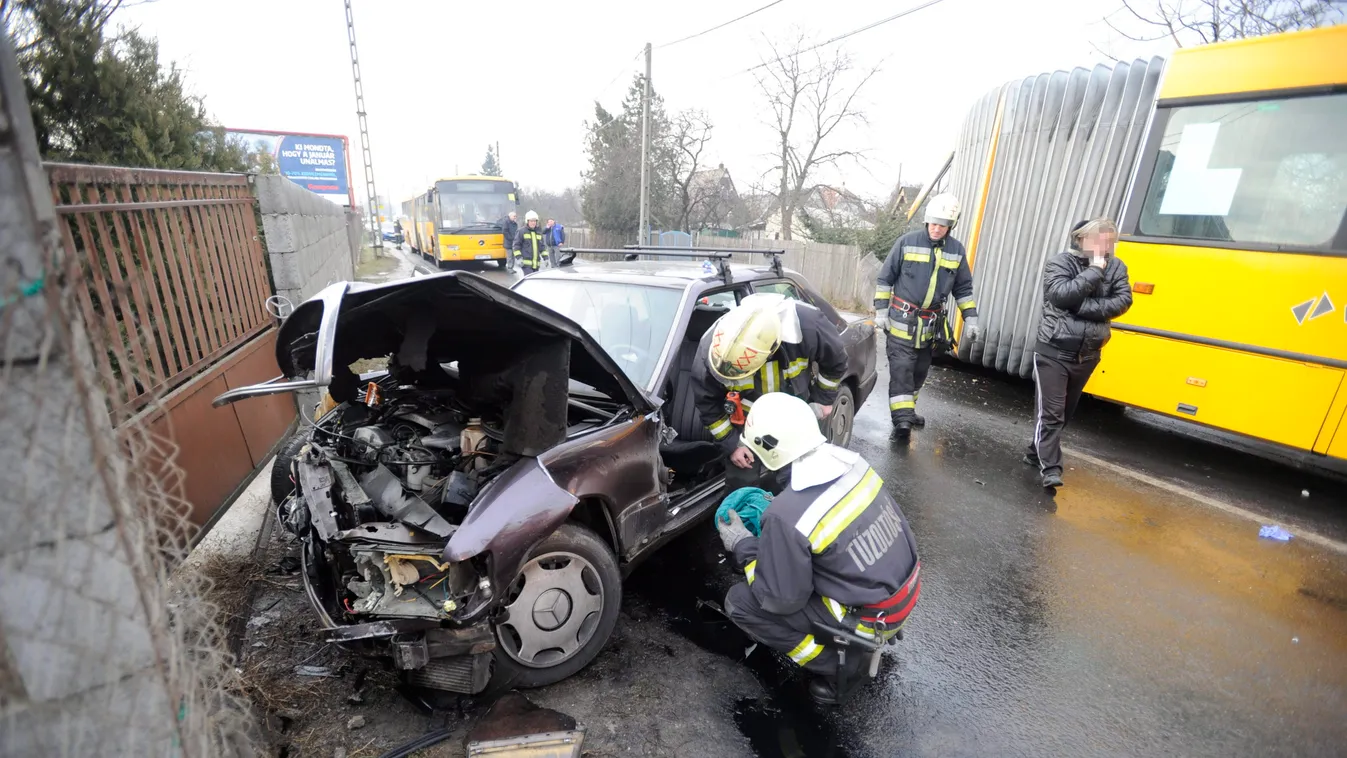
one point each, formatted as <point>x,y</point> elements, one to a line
<point>530,246</point>
<point>790,369</point>
<point>924,274</point>
<point>845,540</point>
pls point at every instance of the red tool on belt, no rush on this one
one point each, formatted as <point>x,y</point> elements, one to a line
<point>735,407</point>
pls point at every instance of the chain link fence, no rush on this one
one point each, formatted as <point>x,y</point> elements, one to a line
<point>103,649</point>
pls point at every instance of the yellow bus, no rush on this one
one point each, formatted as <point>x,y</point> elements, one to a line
<point>1227,170</point>
<point>459,220</point>
<point>1235,235</point>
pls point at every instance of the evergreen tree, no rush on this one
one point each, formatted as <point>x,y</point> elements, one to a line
<point>97,99</point>
<point>490,166</point>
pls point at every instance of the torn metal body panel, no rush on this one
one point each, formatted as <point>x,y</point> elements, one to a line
<point>515,511</point>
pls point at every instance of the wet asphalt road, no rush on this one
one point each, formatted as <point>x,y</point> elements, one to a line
<point>1118,618</point>
<point>1129,615</point>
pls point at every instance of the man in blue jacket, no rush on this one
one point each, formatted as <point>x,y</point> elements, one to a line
<point>556,236</point>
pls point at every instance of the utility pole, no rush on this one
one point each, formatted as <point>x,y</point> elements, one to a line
<point>500,167</point>
<point>370,191</point>
<point>645,155</point>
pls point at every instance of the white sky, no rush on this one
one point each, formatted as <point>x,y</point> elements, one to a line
<point>444,79</point>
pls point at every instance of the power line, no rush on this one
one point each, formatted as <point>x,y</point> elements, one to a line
<point>853,33</point>
<point>626,68</point>
<point>720,26</point>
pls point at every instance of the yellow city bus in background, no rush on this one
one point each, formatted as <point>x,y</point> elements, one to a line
<point>459,220</point>
<point>1235,236</point>
<point>1226,168</point>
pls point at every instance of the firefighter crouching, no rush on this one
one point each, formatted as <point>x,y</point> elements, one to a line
<point>767,344</point>
<point>834,548</point>
<point>922,269</point>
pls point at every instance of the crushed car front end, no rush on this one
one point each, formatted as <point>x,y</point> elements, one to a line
<point>419,496</point>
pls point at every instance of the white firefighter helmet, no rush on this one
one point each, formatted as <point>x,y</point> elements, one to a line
<point>742,341</point>
<point>530,216</point>
<point>943,209</point>
<point>780,429</point>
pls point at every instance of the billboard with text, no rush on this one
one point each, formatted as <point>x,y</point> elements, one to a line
<point>316,162</point>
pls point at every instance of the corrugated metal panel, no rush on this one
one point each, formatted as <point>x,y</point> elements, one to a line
<point>1065,151</point>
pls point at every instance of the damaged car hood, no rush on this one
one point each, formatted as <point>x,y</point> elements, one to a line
<point>436,319</point>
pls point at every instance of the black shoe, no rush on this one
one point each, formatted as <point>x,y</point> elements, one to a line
<point>1031,460</point>
<point>822,691</point>
<point>919,422</point>
<point>901,431</point>
<point>1052,481</point>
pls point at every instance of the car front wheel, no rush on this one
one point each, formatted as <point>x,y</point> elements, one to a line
<point>560,610</point>
<point>843,417</point>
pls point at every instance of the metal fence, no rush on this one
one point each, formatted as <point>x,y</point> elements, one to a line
<point>1062,147</point>
<point>175,273</point>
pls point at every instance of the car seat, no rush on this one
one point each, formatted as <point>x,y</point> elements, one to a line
<point>694,446</point>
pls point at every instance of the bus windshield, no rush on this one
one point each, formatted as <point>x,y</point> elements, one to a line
<point>1259,172</point>
<point>474,205</point>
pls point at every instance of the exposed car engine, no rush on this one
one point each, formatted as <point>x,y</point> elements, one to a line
<point>383,486</point>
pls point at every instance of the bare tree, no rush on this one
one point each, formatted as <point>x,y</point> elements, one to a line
<point>1206,21</point>
<point>809,98</point>
<point>692,195</point>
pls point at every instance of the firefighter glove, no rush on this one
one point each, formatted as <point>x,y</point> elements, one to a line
<point>882,319</point>
<point>971,330</point>
<point>732,531</point>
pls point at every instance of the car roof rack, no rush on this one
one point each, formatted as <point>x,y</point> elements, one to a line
<point>715,253</point>
<point>719,256</point>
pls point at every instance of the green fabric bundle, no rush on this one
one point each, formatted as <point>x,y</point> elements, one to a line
<point>749,503</point>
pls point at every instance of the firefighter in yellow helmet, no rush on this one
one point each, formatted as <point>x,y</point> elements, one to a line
<point>767,344</point>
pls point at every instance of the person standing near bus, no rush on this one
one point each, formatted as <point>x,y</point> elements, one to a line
<point>922,269</point>
<point>530,246</point>
<point>1083,290</point>
<point>556,236</point>
<point>511,228</point>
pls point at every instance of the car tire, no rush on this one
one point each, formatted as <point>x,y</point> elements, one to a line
<point>578,552</point>
<point>843,418</point>
<point>281,485</point>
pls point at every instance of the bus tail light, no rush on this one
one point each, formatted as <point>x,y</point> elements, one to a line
<point>1143,288</point>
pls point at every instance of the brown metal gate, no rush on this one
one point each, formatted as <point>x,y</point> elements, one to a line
<point>175,304</point>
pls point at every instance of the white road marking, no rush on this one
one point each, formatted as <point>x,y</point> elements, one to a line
<point>1234,510</point>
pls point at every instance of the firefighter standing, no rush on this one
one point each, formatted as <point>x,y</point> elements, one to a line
<point>922,269</point>
<point>767,344</point>
<point>530,246</point>
<point>834,548</point>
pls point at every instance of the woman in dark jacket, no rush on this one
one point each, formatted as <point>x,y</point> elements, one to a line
<point>1083,290</point>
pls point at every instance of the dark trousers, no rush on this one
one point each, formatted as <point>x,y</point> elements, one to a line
<point>792,635</point>
<point>1059,385</point>
<point>908,367</point>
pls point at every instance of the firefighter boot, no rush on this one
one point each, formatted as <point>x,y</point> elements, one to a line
<point>902,430</point>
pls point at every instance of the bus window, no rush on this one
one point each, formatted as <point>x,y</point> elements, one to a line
<point>1260,173</point>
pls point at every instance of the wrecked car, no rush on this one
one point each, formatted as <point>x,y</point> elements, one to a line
<point>472,510</point>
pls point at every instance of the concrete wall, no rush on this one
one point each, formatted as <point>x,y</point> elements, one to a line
<point>307,238</point>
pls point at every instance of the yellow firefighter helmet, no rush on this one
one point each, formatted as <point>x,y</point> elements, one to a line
<point>742,341</point>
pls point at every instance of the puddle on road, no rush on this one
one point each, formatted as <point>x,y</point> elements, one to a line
<point>685,585</point>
